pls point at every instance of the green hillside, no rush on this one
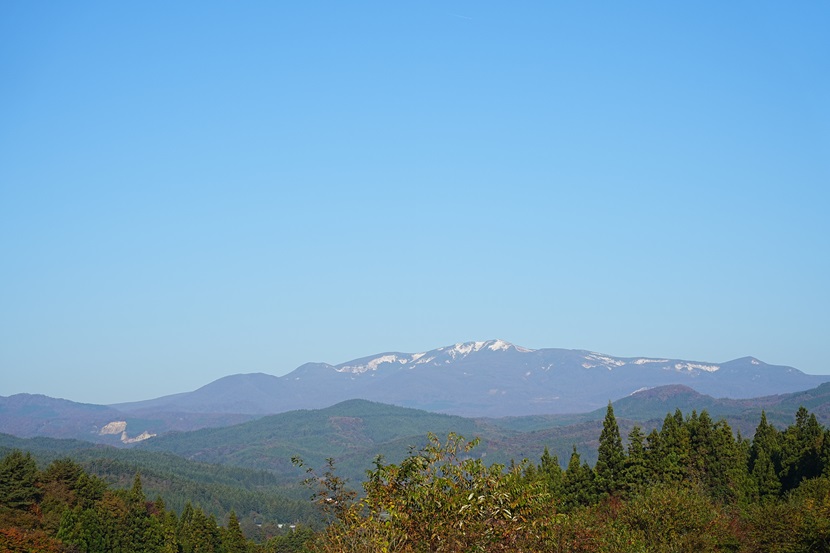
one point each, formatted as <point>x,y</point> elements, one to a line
<point>353,432</point>
<point>255,495</point>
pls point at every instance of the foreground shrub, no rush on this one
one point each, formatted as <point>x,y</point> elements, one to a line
<point>438,499</point>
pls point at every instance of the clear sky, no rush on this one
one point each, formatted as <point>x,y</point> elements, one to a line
<point>190,190</point>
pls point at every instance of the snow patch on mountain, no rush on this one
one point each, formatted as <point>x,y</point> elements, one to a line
<point>696,366</point>
<point>463,349</point>
<point>643,361</point>
<point>499,345</point>
<point>373,364</point>
<point>596,360</point>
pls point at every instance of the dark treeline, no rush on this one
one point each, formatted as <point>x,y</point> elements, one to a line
<point>65,509</point>
<point>690,486</point>
<point>693,486</point>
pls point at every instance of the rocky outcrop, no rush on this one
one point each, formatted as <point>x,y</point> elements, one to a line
<point>120,427</point>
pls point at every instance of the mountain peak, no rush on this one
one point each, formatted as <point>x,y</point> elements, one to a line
<point>665,392</point>
<point>446,354</point>
<point>465,348</point>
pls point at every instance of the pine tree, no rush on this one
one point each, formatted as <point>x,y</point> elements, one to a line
<point>763,463</point>
<point>136,494</point>
<point>578,487</point>
<point>137,530</point>
<point>232,539</point>
<point>653,459</point>
<point>674,449</point>
<point>611,455</point>
<point>184,529</point>
<point>551,473</point>
<point>801,450</point>
<point>764,477</point>
<point>726,475</point>
<point>18,480</point>
<point>635,473</point>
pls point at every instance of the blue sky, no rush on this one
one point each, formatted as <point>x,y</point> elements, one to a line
<point>195,189</point>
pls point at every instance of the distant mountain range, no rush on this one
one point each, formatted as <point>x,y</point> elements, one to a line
<point>474,379</point>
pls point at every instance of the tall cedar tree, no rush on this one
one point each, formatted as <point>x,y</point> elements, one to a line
<point>611,455</point>
<point>674,449</point>
<point>801,450</point>
<point>764,462</point>
<point>232,539</point>
<point>551,473</point>
<point>578,486</point>
<point>635,474</point>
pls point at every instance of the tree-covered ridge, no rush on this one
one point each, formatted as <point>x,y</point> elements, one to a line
<point>64,509</point>
<point>260,498</point>
<point>690,486</point>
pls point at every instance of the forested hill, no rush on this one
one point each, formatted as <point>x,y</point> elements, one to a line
<point>689,486</point>
<point>356,431</point>
<point>259,496</point>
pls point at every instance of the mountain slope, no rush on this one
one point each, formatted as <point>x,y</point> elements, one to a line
<point>492,378</point>
<point>356,431</point>
<point>341,431</point>
<point>29,415</point>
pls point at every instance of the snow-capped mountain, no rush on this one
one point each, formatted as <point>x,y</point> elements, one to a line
<point>489,378</point>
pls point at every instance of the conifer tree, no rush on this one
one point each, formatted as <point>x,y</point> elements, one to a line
<point>551,472</point>
<point>184,529</point>
<point>764,459</point>
<point>138,536</point>
<point>611,455</point>
<point>674,449</point>
<point>801,450</point>
<point>726,473</point>
<point>578,487</point>
<point>764,477</point>
<point>635,473</point>
<point>653,459</point>
<point>232,539</point>
<point>18,480</point>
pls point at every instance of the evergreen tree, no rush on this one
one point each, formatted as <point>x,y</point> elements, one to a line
<point>136,494</point>
<point>653,459</point>
<point>611,456</point>
<point>551,473</point>
<point>825,454</point>
<point>635,473</point>
<point>201,533</point>
<point>90,490</point>
<point>18,480</point>
<point>700,429</point>
<point>764,477</point>
<point>763,463</point>
<point>578,487</point>
<point>137,529</point>
<point>232,539</point>
<point>726,474</point>
<point>674,449</point>
<point>801,450</point>
<point>184,529</point>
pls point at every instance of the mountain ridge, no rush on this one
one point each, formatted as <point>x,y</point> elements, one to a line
<point>485,378</point>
